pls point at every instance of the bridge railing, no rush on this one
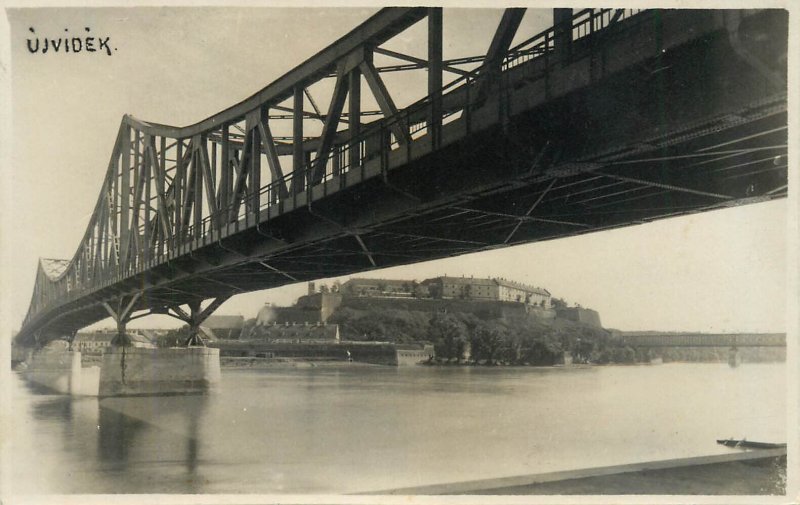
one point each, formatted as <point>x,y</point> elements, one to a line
<point>458,100</point>
<point>380,136</point>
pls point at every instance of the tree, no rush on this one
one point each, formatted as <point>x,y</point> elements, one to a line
<point>247,328</point>
<point>543,353</point>
<point>173,338</point>
<point>485,342</point>
<point>558,303</point>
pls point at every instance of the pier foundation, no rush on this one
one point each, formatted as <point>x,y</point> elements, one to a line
<point>57,370</point>
<point>734,356</point>
<point>132,371</point>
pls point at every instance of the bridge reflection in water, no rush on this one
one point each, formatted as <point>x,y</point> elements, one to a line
<point>610,118</point>
<point>350,430</point>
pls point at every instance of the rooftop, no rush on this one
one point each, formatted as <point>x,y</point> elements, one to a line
<point>479,281</point>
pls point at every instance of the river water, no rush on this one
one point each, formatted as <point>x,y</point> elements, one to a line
<point>357,428</point>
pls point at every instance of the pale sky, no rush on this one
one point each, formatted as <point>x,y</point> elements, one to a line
<point>718,271</point>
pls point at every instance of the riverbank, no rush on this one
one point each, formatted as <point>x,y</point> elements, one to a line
<point>761,472</point>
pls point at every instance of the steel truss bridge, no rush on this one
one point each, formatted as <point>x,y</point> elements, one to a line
<point>609,118</point>
<point>651,339</point>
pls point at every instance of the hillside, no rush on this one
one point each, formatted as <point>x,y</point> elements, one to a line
<point>480,336</point>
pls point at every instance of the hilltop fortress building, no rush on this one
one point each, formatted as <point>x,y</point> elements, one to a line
<point>464,288</point>
<point>501,290</point>
<point>318,306</point>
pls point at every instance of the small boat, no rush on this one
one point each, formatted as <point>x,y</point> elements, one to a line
<point>746,444</point>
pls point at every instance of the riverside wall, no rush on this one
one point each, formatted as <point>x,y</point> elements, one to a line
<point>378,353</point>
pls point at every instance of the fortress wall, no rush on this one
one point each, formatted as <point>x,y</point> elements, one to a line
<point>580,315</point>
<point>485,309</point>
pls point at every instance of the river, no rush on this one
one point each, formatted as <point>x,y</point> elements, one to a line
<point>358,428</point>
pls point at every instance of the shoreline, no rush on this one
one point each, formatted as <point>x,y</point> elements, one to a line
<point>246,363</point>
<point>756,472</point>
<point>235,363</point>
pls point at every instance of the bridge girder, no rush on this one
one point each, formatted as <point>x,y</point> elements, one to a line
<point>531,154</point>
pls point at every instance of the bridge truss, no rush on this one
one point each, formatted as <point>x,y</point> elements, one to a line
<point>609,118</point>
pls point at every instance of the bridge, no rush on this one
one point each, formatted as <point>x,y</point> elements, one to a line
<point>609,118</point>
<point>651,339</point>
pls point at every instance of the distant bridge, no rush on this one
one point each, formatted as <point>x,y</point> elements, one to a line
<point>705,340</point>
<point>609,118</point>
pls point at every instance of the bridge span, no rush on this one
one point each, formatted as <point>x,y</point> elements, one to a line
<point>609,118</point>
<point>654,339</point>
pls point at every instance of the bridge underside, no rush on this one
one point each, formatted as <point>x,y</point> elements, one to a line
<point>693,129</point>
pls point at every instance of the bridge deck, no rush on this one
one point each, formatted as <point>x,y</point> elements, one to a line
<point>657,115</point>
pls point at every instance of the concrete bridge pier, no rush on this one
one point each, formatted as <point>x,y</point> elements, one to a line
<point>137,371</point>
<point>121,314</point>
<point>734,356</point>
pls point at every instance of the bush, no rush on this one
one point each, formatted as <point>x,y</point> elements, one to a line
<point>448,336</point>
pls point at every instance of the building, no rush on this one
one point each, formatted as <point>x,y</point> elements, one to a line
<point>473,288</point>
<point>92,343</point>
<point>98,341</point>
<point>414,354</point>
<point>380,288</point>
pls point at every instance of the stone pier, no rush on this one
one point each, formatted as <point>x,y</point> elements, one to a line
<point>57,370</point>
<point>132,371</point>
<point>734,357</point>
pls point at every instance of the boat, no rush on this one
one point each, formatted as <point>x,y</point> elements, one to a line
<point>746,444</point>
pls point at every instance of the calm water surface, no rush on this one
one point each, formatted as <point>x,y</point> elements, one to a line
<point>357,429</point>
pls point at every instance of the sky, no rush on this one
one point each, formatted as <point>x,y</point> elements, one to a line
<point>718,271</point>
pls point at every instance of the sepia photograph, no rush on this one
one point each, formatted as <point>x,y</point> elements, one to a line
<point>343,253</point>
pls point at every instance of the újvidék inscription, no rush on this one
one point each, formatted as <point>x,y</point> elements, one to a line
<point>68,44</point>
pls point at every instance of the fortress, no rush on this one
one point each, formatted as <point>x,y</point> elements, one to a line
<point>494,297</point>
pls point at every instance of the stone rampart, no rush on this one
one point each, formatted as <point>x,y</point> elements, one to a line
<point>484,309</point>
<point>580,315</point>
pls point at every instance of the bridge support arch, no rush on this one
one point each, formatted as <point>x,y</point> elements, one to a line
<point>121,314</point>
<point>195,317</point>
